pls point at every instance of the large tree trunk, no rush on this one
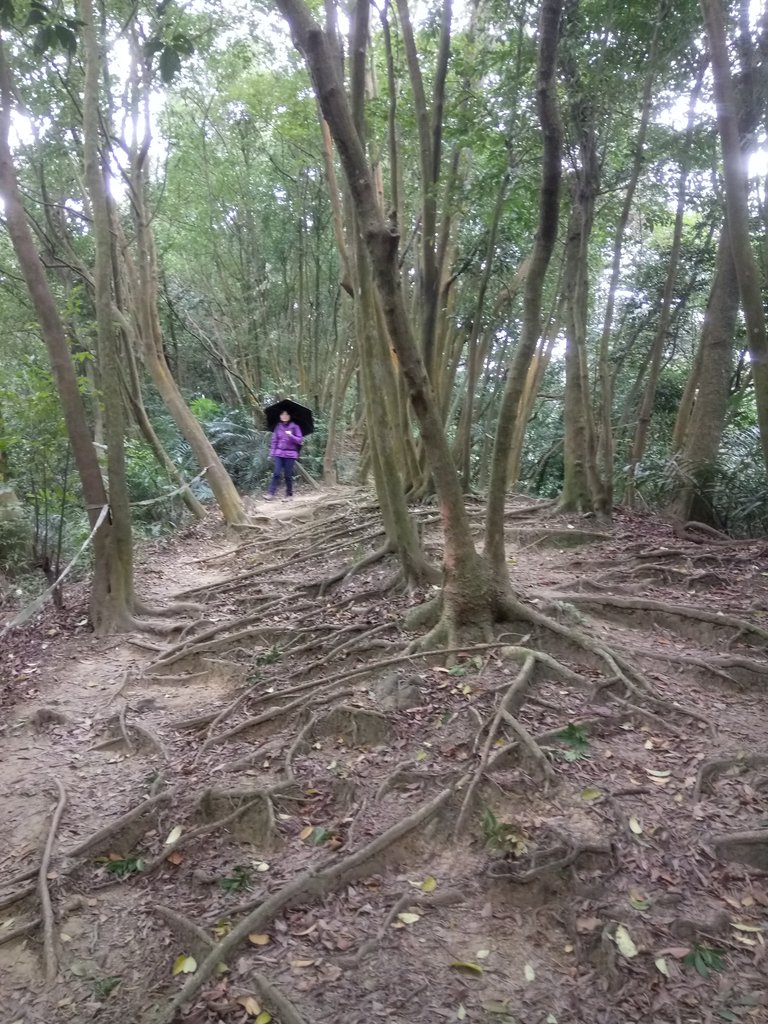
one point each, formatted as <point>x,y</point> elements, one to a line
<point>55,338</point>
<point>736,185</point>
<point>118,614</point>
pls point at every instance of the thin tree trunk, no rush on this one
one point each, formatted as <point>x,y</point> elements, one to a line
<point>549,213</point>
<point>337,219</point>
<point>143,280</point>
<point>467,598</point>
<point>464,432</point>
<point>132,385</point>
<point>379,389</point>
<point>605,454</point>
<point>55,338</point>
<point>736,184</point>
<point>429,130</point>
<point>662,328</point>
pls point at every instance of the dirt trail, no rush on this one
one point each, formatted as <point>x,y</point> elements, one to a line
<point>580,887</point>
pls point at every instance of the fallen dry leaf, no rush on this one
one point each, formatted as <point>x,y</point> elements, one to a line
<point>259,939</point>
<point>624,942</point>
<point>249,1004</point>
<point>408,918</point>
<point>174,835</point>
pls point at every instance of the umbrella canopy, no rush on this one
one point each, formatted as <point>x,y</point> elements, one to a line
<point>300,414</point>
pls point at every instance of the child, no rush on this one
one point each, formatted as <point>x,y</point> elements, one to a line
<point>286,445</point>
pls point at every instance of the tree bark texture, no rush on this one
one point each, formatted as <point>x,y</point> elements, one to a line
<point>736,185</point>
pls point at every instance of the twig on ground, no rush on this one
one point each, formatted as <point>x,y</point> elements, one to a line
<point>46,909</point>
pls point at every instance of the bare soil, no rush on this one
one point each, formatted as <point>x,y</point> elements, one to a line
<point>331,829</point>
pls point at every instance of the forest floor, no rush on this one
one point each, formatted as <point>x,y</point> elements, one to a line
<point>281,812</point>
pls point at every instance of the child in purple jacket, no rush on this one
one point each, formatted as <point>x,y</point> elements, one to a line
<point>286,445</point>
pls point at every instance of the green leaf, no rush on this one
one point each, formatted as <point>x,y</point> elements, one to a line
<point>466,965</point>
<point>183,44</point>
<point>590,793</point>
<point>170,64</point>
<point>184,965</point>
<point>66,38</point>
<point>38,14</point>
<point>661,966</point>
<point>429,884</point>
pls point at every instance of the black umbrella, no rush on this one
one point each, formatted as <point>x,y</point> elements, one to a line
<point>300,414</point>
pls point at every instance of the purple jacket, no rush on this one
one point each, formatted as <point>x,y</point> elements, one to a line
<point>286,441</point>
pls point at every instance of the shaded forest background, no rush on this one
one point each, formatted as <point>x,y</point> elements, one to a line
<point>232,274</point>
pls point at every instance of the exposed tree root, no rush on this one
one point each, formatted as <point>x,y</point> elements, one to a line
<point>747,848</point>
<point>449,898</point>
<point>647,604</point>
<point>20,931</point>
<point>347,647</point>
<point>192,938</point>
<point>314,882</point>
<point>272,997</point>
<point>199,944</point>
<point>19,894</point>
<point>562,853</point>
<point>250,723</point>
<point>347,572</point>
<point>518,686</point>
<point>247,801</point>
<point>46,909</point>
<point>709,770</point>
<point>529,743</point>
<point>120,823</point>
